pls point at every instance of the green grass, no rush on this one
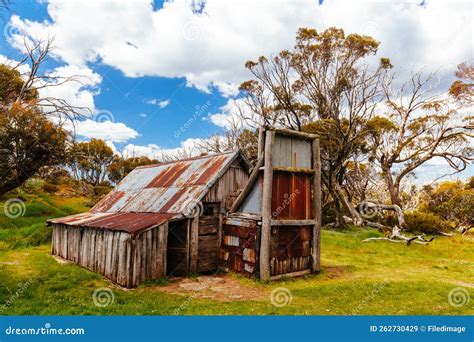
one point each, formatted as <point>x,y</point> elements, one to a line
<point>356,278</point>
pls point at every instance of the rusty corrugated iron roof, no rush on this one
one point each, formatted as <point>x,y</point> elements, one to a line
<point>168,190</point>
<point>126,222</point>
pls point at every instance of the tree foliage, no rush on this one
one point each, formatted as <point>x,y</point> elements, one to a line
<point>90,161</point>
<point>321,86</point>
<point>28,139</point>
<point>417,127</point>
<point>121,167</point>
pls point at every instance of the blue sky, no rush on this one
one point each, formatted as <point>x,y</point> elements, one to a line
<point>150,67</point>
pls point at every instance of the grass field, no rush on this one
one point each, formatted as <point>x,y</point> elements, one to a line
<point>356,278</point>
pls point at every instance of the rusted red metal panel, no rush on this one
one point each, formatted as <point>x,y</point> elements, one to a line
<point>127,222</point>
<point>169,176</point>
<point>291,196</point>
<point>107,202</point>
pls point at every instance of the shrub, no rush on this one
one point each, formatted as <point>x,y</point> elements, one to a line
<point>101,190</point>
<point>425,222</point>
<point>50,188</point>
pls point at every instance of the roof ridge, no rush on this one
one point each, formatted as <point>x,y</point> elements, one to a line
<point>186,159</point>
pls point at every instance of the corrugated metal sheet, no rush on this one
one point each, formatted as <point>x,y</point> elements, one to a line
<point>127,222</point>
<point>291,152</point>
<point>165,190</point>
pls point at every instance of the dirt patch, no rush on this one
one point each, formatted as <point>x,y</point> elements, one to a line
<point>220,288</point>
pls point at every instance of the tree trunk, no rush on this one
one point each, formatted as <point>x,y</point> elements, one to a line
<point>392,187</point>
<point>356,217</point>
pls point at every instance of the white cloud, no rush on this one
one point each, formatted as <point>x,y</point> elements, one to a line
<point>153,151</point>
<point>157,102</point>
<point>209,47</point>
<point>142,115</point>
<point>80,91</point>
<point>115,132</point>
<point>234,112</point>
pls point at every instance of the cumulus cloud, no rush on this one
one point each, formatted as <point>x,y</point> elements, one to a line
<point>153,151</point>
<point>80,91</point>
<point>157,102</point>
<point>209,46</point>
<point>115,132</point>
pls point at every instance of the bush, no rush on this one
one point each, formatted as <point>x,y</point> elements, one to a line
<point>50,188</point>
<point>425,222</point>
<point>101,190</point>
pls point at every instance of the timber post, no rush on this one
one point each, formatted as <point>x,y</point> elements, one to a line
<point>265,238</point>
<point>317,210</point>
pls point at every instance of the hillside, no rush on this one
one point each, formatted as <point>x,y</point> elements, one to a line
<point>356,278</point>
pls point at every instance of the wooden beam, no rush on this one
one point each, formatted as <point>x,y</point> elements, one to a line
<point>317,207</point>
<point>249,186</point>
<point>194,245</point>
<point>293,222</point>
<point>293,170</point>
<point>292,274</point>
<point>265,238</point>
<point>261,140</point>
<point>292,133</point>
<point>163,246</point>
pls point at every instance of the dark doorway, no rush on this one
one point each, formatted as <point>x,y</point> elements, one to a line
<point>178,249</point>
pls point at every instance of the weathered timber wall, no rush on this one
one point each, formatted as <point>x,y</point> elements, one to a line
<point>227,188</point>
<point>124,259</point>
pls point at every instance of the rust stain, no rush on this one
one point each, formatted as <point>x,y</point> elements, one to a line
<point>210,171</point>
<point>107,202</point>
<point>173,200</point>
<point>169,176</point>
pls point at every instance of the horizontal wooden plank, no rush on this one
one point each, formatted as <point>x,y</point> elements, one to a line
<point>292,274</point>
<point>293,170</point>
<point>292,222</point>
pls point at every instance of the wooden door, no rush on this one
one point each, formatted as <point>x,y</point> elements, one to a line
<point>209,235</point>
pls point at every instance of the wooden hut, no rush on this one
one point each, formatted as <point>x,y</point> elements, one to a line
<point>274,226</point>
<point>160,220</point>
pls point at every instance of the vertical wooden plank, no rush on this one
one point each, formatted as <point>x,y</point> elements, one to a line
<point>164,247</point>
<point>53,240</point>
<point>108,258</point>
<point>137,263</point>
<point>193,245</point>
<point>265,238</point>
<point>159,250</point>
<point>188,245</point>
<point>261,141</point>
<point>128,263</point>
<point>317,210</point>
<point>64,241</point>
